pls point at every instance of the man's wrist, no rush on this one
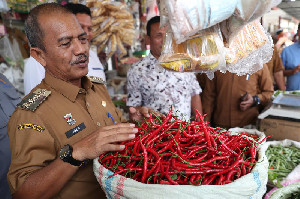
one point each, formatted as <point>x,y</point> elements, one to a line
<point>67,156</point>
<point>256,101</point>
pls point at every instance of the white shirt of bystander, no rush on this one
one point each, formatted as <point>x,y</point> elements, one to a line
<point>34,72</point>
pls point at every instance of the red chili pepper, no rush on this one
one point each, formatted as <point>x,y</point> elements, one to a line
<point>122,171</point>
<point>260,142</point>
<point>181,152</point>
<point>145,162</point>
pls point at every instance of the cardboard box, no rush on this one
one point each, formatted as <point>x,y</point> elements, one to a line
<point>280,128</point>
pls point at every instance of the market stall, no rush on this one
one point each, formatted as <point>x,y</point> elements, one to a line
<point>199,41</point>
<point>281,118</point>
<point>170,158</point>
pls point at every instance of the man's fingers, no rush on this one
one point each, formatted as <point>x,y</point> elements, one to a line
<point>132,110</point>
<point>113,147</point>
<point>117,131</point>
<point>120,125</point>
<point>145,111</point>
<point>115,138</point>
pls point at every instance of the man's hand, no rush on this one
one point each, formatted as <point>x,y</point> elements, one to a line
<point>138,113</point>
<point>247,102</point>
<point>103,140</point>
<point>296,69</point>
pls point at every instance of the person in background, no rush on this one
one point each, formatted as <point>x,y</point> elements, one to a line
<point>291,62</point>
<point>150,85</point>
<point>67,120</point>
<point>9,98</point>
<point>282,40</point>
<point>34,72</point>
<point>276,71</point>
<point>231,101</point>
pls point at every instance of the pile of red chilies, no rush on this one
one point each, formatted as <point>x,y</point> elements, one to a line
<point>167,150</point>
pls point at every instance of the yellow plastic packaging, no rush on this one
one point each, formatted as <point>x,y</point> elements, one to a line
<point>202,52</point>
<point>249,50</point>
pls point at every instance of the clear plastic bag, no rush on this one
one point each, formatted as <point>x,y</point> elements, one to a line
<point>3,6</point>
<point>249,50</point>
<point>188,18</point>
<point>113,26</point>
<point>251,10</point>
<point>163,12</point>
<point>203,52</point>
<point>11,53</point>
<point>246,11</point>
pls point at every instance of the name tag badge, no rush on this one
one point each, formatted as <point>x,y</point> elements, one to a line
<point>75,130</point>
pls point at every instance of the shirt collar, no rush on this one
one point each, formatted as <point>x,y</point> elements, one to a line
<point>67,89</point>
<point>152,57</point>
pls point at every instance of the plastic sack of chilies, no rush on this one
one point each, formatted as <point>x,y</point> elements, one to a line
<point>246,11</point>
<point>188,18</point>
<point>202,52</point>
<point>249,50</point>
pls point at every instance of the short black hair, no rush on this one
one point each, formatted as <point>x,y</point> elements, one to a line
<point>33,29</point>
<point>279,31</point>
<point>298,26</point>
<point>76,8</point>
<point>153,20</point>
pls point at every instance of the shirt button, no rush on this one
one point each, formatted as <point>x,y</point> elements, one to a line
<point>87,104</point>
<point>98,124</point>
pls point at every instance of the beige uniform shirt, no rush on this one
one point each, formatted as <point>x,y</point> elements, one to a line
<point>222,96</point>
<point>36,137</point>
<point>275,64</point>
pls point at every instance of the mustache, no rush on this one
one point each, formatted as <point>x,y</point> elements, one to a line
<point>80,58</point>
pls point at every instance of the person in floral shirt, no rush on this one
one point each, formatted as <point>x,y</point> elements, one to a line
<point>150,85</point>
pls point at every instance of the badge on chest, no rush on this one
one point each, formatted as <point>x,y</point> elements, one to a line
<point>75,130</point>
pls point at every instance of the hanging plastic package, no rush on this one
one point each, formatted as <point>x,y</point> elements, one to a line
<point>252,10</point>
<point>186,19</point>
<point>202,52</point>
<point>163,12</point>
<point>113,27</point>
<point>12,55</point>
<point>246,11</point>
<point>3,6</point>
<point>249,50</point>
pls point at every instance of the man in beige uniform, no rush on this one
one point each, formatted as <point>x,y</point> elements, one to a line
<point>223,100</point>
<point>65,121</point>
<point>276,69</point>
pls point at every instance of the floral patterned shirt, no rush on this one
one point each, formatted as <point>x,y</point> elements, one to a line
<point>150,85</point>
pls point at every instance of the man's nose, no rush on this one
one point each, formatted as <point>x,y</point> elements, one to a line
<point>80,47</point>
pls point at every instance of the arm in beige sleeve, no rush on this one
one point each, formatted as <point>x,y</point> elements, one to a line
<point>47,181</point>
<point>196,104</point>
<point>208,98</point>
<point>278,69</point>
<point>280,80</point>
<point>266,86</point>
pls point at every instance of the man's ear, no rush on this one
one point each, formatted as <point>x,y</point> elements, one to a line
<point>38,55</point>
<point>147,40</point>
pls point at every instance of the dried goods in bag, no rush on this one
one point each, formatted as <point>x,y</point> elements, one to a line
<point>249,50</point>
<point>113,26</point>
<point>246,11</point>
<point>203,52</point>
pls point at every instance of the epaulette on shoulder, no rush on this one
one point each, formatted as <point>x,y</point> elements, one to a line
<point>97,80</point>
<point>32,101</point>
